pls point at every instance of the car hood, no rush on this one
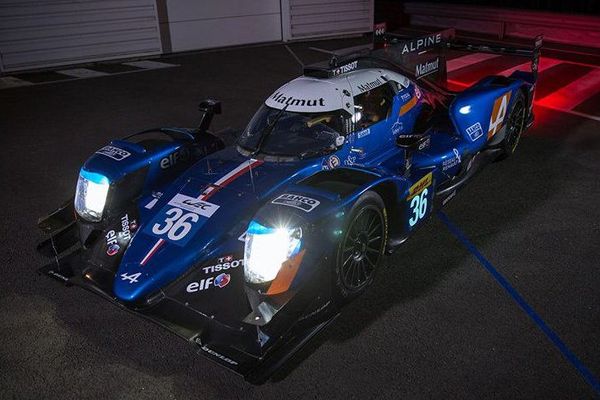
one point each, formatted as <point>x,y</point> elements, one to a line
<point>203,210</point>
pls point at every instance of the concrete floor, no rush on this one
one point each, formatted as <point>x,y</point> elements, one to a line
<point>434,325</point>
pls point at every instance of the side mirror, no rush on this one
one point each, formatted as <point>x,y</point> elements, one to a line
<point>209,108</point>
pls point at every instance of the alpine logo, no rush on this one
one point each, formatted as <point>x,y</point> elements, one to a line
<point>303,203</point>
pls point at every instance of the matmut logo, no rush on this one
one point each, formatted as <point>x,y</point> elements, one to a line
<point>194,205</point>
<point>498,114</point>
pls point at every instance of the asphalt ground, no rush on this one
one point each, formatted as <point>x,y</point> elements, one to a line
<point>435,324</point>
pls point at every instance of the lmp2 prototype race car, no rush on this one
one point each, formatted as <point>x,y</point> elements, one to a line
<point>248,250</point>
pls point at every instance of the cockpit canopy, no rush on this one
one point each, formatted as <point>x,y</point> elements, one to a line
<point>305,117</point>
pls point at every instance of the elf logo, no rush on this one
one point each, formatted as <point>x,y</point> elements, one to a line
<point>219,281</point>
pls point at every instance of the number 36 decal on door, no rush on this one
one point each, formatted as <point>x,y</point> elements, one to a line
<point>419,200</point>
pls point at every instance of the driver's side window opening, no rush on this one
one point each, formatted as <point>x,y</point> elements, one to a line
<point>372,106</point>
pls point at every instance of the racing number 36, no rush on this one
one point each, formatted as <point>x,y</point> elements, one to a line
<point>418,206</point>
<point>177,224</point>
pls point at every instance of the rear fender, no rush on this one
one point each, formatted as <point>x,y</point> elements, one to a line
<point>479,113</point>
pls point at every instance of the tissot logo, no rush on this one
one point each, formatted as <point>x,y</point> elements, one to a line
<point>291,101</point>
<point>427,68</point>
<point>345,68</point>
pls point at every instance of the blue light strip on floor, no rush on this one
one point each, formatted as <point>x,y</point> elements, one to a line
<point>541,324</point>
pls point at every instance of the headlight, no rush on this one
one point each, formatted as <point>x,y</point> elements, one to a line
<point>90,197</point>
<point>268,248</point>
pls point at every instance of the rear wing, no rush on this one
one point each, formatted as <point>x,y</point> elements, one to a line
<point>420,58</point>
<point>420,53</point>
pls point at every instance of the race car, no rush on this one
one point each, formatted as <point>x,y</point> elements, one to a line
<point>247,250</point>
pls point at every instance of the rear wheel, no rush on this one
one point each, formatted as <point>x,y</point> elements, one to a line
<point>515,125</point>
<point>361,248</point>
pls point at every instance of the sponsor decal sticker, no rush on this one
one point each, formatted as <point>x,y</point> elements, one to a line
<point>219,281</point>
<point>405,96</point>
<point>425,144</point>
<point>420,185</point>
<point>474,131</point>
<point>218,355</point>
<point>426,68</point>
<point>194,205</point>
<point>422,43</point>
<point>300,202</point>
<point>363,133</point>
<point>291,101</point>
<point>131,278</point>
<point>114,152</point>
<point>397,128</point>
<point>331,162</point>
<point>498,114</point>
<point>172,159</point>
<point>345,68</point>
<point>224,263</point>
<point>418,92</point>
<point>366,86</point>
<point>350,160</point>
<point>112,249</point>
<point>451,162</point>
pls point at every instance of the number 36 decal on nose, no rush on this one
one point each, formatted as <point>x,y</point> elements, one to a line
<point>180,219</point>
<point>419,200</point>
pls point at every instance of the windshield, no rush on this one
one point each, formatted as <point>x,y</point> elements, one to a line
<point>292,134</point>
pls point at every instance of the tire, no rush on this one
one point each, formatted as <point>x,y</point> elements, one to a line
<point>361,248</point>
<point>515,126</point>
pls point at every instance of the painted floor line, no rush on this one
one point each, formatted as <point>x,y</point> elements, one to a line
<point>88,77</point>
<point>82,73</point>
<point>575,93</point>
<point>468,60</point>
<point>545,63</point>
<point>537,103</point>
<point>531,313</point>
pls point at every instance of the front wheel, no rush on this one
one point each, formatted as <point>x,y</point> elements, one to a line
<point>361,247</point>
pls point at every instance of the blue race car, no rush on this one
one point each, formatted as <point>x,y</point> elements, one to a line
<point>248,250</point>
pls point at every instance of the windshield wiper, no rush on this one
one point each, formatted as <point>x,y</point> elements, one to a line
<point>267,131</point>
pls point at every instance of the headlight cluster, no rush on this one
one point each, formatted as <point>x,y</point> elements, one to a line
<point>90,197</point>
<point>267,249</point>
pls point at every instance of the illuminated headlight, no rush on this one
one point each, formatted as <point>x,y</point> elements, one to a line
<point>90,197</point>
<point>267,249</point>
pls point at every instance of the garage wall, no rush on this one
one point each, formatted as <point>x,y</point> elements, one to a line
<point>193,24</point>
<point>35,34</point>
<point>302,19</point>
